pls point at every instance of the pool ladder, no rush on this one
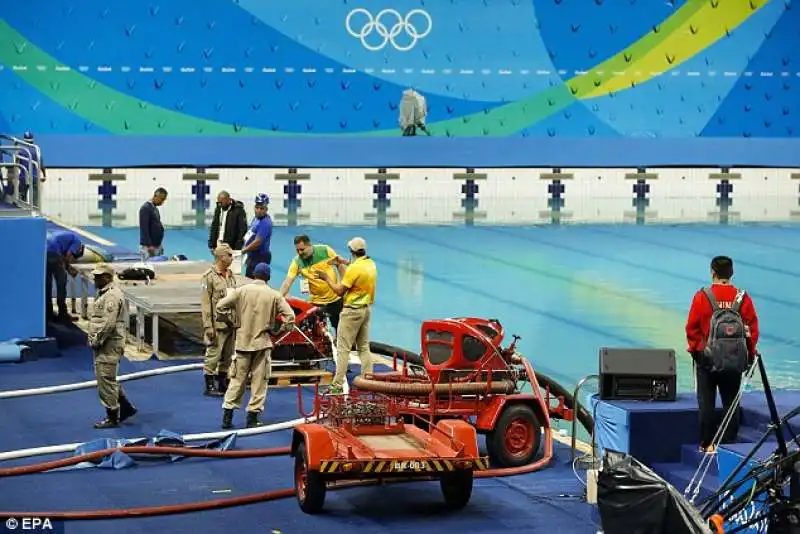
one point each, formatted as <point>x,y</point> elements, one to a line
<point>574,438</point>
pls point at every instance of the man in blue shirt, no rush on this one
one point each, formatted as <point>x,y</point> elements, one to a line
<point>257,239</point>
<point>63,248</point>
<point>151,231</point>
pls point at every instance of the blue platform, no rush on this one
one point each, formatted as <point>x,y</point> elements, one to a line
<point>299,73</point>
<point>664,435</point>
<point>106,151</point>
<point>22,313</point>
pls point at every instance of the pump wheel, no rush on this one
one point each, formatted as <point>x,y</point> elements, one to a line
<point>456,488</point>
<point>516,437</point>
<point>309,485</point>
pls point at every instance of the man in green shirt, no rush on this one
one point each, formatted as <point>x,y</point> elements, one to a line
<point>310,260</point>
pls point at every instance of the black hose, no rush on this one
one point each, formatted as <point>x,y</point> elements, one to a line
<point>556,389</point>
<point>391,351</point>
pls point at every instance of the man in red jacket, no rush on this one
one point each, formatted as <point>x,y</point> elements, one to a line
<point>698,327</point>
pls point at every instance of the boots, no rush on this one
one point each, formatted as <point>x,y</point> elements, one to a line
<point>222,383</point>
<point>252,420</point>
<point>111,420</point>
<point>211,386</point>
<point>227,418</point>
<point>126,409</point>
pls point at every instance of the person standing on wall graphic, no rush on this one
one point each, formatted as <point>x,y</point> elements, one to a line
<point>106,335</point>
<point>311,259</point>
<point>218,334</point>
<point>258,237</point>
<point>413,113</point>
<point>151,231</point>
<point>358,288</point>
<point>63,248</point>
<point>721,358</point>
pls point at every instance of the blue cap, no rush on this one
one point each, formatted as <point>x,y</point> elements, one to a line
<point>27,135</point>
<point>262,270</point>
<point>262,199</point>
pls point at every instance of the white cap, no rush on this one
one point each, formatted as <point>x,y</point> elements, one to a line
<point>357,243</point>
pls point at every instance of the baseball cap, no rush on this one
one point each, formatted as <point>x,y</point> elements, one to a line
<point>223,249</point>
<point>262,269</point>
<point>103,268</point>
<point>357,243</point>
<point>262,199</point>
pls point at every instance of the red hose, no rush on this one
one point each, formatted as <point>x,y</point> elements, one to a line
<point>151,511</point>
<point>157,450</point>
<point>215,504</point>
<point>384,384</point>
<point>232,501</point>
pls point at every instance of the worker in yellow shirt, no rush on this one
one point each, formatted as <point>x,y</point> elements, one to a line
<point>312,259</point>
<point>358,289</point>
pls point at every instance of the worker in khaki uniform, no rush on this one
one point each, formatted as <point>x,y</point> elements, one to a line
<point>358,288</point>
<point>219,335</point>
<point>258,308</point>
<point>106,335</point>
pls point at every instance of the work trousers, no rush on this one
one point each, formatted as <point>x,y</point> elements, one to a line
<point>353,327</point>
<point>728,385</point>
<point>256,363</point>
<point>55,270</point>
<point>332,310</point>
<point>219,353</point>
<point>106,368</point>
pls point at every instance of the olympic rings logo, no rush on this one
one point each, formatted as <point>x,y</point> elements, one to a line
<point>389,35</point>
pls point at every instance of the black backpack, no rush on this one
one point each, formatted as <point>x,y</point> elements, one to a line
<point>726,348</point>
<point>137,273</point>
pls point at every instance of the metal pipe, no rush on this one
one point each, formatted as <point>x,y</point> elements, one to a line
<point>31,161</point>
<point>14,183</point>
<point>27,146</point>
<point>574,437</point>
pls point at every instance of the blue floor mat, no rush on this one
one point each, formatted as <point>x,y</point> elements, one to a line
<point>172,402</point>
<point>74,365</point>
<point>543,502</point>
<point>547,501</point>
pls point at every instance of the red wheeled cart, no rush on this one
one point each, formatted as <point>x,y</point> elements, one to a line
<point>361,436</point>
<point>464,372</point>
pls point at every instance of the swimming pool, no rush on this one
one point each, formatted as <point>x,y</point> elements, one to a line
<point>567,290</point>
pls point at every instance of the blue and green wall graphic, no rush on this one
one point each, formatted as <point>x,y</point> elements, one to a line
<point>538,68</point>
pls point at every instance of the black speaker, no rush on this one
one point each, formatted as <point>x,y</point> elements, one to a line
<point>638,374</point>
